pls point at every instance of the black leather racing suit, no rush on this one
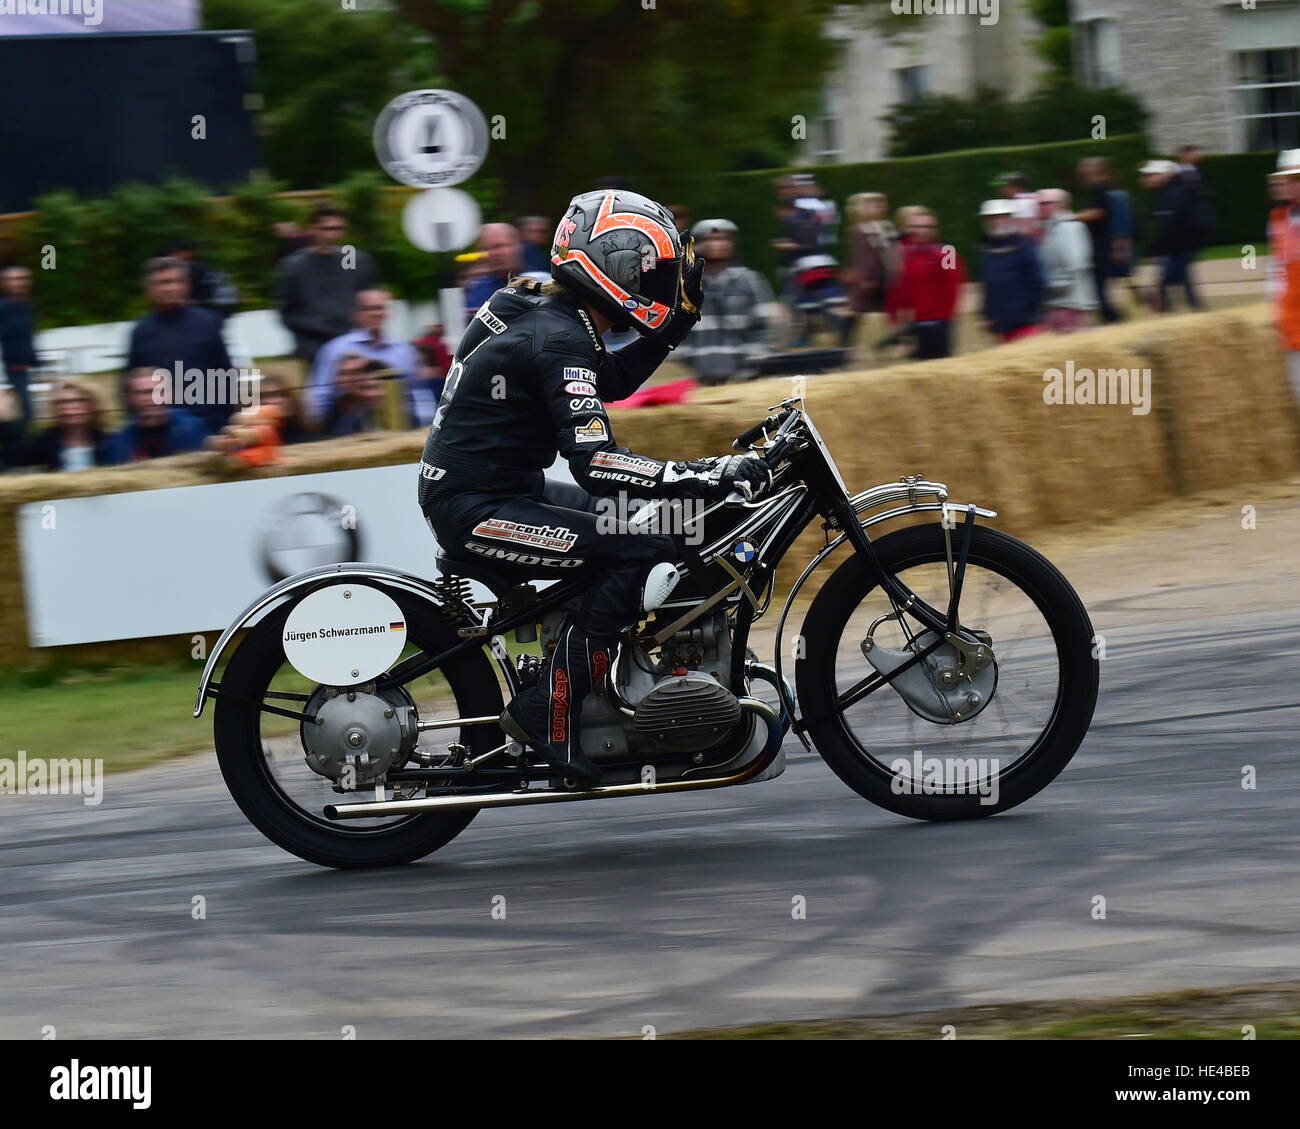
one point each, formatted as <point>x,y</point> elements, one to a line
<point>528,380</point>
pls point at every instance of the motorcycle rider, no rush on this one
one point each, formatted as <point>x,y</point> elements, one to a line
<point>527,381</point>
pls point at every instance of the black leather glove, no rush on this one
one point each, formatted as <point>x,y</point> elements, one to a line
<point>718,475</point>
<point>745,473</point>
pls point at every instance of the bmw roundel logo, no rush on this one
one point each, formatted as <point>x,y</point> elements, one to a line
<point>306,530</point>
<point>630,303</point>
<point>744,551</point>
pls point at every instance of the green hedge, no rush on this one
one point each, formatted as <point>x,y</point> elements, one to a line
<point>101,243</point>
<point>954,185</point>
<point>1240,183</point>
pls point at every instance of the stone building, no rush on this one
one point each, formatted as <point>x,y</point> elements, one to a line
<point>1222,74</point>
<point>935,54</point>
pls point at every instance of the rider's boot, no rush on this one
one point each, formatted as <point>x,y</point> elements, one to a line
<point>547,717</point>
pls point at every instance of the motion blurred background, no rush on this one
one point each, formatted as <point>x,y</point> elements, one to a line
<point>170,167</point>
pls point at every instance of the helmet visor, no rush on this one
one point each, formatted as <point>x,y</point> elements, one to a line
<point>661,283</point>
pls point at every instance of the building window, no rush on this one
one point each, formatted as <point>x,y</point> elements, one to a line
<point>1268,97</point>
<point>912,82</point>
<point>1264,44</point>
<point>1101,53</point>
<point>826,137</point>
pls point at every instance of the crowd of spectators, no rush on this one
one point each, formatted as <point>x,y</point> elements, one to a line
<point>1045,267</point>
<point>330,300</point>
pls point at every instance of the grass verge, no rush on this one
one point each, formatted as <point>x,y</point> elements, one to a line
<point>1271,1010</point>
<point>130,715</point>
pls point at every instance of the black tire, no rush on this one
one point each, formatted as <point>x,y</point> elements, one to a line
<point>340,845</point>
<point>1056,601</point>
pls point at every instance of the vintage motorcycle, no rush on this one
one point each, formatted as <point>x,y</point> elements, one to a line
<point>944,671</point>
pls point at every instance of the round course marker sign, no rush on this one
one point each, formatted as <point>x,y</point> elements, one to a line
<point>431,138</point>
<point>441,219</point>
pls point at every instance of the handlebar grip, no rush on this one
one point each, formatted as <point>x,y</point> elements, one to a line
<point>745,438</point>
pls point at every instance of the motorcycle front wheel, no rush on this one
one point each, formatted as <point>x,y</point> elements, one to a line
<point>974,762</point>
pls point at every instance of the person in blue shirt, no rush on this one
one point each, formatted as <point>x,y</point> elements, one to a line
<point>504,256</point>
<point>1013,276</point>
<point>367,340</point>
<point>17,347</point>
<point>154,429</point>
<point>179,333</point>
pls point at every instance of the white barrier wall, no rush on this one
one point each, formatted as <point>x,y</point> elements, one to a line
<point>253,333</point>
<point>190,558</point>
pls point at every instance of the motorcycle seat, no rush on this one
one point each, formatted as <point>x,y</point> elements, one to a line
<point>471,568</point>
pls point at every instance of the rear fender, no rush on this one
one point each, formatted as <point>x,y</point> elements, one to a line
<point>300,584</point>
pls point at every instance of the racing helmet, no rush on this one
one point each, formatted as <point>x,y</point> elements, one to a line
<point>621,253</point>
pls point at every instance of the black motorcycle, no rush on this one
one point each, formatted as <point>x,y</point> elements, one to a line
<point>944,671</point>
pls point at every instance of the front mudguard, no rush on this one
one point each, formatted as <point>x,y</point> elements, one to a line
<point>909,489</point>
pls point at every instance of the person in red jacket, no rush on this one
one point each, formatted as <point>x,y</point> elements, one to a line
<point>927,288</point>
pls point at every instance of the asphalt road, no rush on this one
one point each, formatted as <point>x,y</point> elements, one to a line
<point>676,912</point>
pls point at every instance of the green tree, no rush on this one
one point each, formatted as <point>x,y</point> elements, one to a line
<point>325,72</point>
<point>1054,45</point>
<point>592,88</point>
<point>582,88</point>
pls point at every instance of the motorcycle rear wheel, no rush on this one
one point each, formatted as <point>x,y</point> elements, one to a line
<point>243,749</point>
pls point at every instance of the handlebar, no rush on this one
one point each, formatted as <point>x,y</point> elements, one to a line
<point>782,421</point>
<point>745,439</point>
<point>778,444</point>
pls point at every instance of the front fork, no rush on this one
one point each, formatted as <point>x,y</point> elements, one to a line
<point>974,648</point>
<point>902,598</point>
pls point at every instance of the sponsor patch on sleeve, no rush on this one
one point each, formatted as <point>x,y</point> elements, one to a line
<point>579,374</point>
<point>593,431</point>
<point>579,387</point>
<point>616,460</point>
<point>488,318</point>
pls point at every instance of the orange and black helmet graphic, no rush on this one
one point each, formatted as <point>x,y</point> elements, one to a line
<point>621,252</point>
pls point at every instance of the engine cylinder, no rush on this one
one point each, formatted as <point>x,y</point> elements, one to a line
<point>685,713</point>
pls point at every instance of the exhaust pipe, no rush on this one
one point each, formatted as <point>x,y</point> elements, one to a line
<point>760,709</point>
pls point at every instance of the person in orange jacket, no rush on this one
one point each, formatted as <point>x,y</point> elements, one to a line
<point>1284,271</point>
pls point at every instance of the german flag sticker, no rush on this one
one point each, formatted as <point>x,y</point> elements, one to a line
<point>398,626</point>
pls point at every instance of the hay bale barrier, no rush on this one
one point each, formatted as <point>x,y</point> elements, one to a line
<point>1220,414</point>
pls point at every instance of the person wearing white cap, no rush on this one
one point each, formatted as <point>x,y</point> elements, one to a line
<point>1284,266</point>
<point>1175,213</point>
<point>1012,273</point>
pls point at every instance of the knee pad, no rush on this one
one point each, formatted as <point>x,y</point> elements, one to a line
<point>659,583</point>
